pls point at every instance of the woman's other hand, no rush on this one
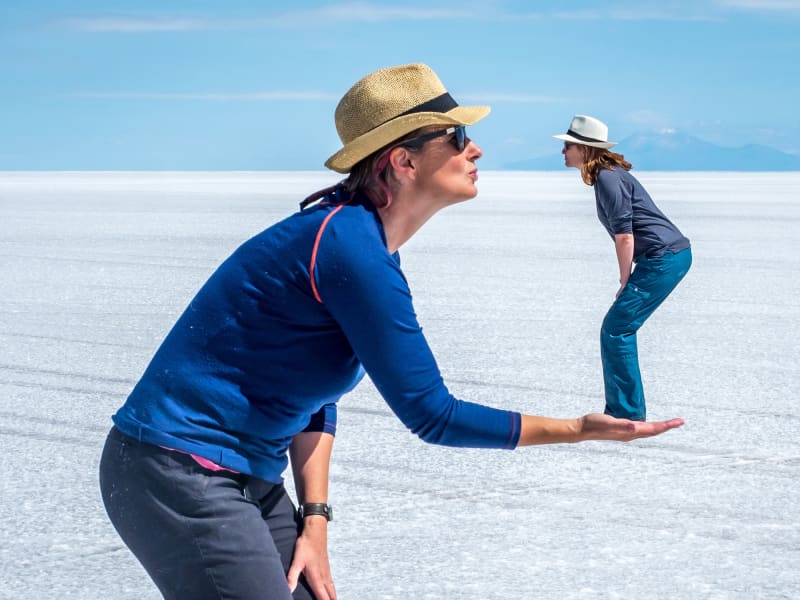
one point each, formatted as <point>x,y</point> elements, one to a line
<point>606,427</point>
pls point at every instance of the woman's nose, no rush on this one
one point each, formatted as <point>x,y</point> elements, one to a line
<point>474,149</point>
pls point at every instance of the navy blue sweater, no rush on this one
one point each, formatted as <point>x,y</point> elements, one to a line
<point>284,327</point>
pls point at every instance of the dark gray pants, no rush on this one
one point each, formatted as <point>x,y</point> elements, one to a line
<point>199,534</point>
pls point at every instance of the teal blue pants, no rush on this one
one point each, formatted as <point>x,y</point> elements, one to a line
<point>651,282</point>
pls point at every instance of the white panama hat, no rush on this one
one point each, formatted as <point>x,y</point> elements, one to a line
<point>587,131</point>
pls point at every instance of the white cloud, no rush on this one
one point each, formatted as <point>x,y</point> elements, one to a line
<point>762,5</point>
<point>633,13</point>
<point>135,25</point>
<point>504,97</point>
<point>366,12</point>
<point>629,10</point>
<point>651,119</point>
<point>213,96</point>
<point>277,95</point>
<point>324,16</point>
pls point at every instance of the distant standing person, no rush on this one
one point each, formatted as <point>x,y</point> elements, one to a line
<point>644,237</point>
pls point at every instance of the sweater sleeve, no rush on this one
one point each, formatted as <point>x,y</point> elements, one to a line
<point>362,286</point>
<point>616,200</point>
<point>324,420</point>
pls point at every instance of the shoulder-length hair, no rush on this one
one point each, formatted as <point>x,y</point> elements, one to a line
<point>597,159</point>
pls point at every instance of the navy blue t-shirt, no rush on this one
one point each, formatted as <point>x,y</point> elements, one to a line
<point>624,206</point>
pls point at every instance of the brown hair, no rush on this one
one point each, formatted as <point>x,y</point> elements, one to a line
<point>369,176</point>
<point>596,159</point>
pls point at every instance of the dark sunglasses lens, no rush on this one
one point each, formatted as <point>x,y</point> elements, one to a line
<point>460,138</point>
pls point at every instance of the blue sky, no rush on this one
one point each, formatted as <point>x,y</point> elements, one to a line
<point>241,84</point>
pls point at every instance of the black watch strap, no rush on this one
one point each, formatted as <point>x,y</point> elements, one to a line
<point>315,508</point>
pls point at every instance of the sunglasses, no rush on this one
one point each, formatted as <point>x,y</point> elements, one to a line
<point>568,145</point>
<point>459,139</point>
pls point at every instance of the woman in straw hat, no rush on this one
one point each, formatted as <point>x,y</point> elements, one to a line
<point>248,378</point>
<point>642,236</point>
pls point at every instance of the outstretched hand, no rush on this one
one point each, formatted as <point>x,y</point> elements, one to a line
<point>606,427</point>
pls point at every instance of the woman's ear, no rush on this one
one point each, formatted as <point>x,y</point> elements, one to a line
<point>402,162</point>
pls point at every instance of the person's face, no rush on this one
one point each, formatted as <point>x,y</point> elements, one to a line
<point>448,174</point>
<point>573,154</point>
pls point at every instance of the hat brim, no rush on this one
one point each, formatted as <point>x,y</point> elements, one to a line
<point>364,145</point>
<point>568,138</point>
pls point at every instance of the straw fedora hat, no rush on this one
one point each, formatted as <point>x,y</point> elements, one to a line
<point>587,131</point>
<point>389,103</point>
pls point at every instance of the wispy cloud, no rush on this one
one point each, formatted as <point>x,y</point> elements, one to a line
<point>508,97</point>
<point>213,96</point>
<point>359,12</point>
<point>762,5</point>
<point>632,13</point>
<point>308,96</point>
<point>135,24</point>
<point>651,120</point>
<point>366,12</point>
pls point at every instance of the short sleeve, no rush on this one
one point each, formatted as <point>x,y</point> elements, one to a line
<point>616,200</point>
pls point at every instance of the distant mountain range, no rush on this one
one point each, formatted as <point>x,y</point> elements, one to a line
<point>677,151</point>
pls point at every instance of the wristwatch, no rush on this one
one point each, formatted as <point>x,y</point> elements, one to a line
<point>315,508</point>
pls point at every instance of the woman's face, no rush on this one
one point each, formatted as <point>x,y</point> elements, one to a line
<point>573,155</point>
<point>445,173</point>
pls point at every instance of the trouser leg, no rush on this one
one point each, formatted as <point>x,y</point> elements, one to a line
<point>622,378</point>
<point>280,515</point>
<point>650,283</point>
<point>195,531</point>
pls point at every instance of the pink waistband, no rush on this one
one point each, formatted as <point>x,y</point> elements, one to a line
<point>203,462</point>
